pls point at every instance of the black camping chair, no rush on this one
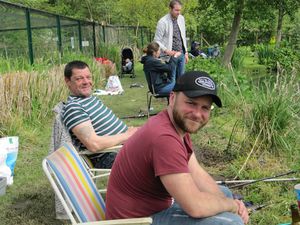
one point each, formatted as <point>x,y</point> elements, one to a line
<point>151,92</point>
<point>127,53</point>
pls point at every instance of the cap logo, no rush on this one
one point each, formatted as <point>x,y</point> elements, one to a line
<point>205,82</point>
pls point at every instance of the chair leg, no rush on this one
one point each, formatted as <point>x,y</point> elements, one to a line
<point>149,98</point>
<point>148,104</point>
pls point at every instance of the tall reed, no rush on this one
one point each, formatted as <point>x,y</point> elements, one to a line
<point>239,57</point>
<point>274,115</point>
<point>31,96</point>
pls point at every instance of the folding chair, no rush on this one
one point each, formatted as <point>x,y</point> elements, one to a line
<point>74,186</point>
<point>151,92</point>
<point>96,172</point>
<point>61,135</point>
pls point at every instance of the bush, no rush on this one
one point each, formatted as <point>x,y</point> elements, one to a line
<point>239,57</point>
<point>112,52</point>
<point>231,85</point>
<point>273,116</point>
<point>264,53</point>
<point>285,56</point>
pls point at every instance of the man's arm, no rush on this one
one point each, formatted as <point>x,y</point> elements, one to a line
<point>202,179</point>
<point>206,183</point>
<point>159,34</point>
<point>194,202</point>
<point>94,143</point>
<point>199,195</point>
<point>186,56</point>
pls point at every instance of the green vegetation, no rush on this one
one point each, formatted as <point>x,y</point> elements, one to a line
<point>273,116</point>
<point>30,199</point>
<point>228,23</point>
<point>277,59</point>
<point>256,134</point>
<point>253,136</point>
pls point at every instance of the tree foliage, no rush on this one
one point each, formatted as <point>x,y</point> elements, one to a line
<point>231,22</point>
<point>284,7</point>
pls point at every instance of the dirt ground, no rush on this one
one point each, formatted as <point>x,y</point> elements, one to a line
<point>212,161</point>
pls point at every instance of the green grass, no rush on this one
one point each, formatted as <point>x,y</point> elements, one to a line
<point>252,68</point>
<point>30,200</point>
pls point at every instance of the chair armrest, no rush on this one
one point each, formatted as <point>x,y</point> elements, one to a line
<point>115,148</point>
<point>103,173</point>
<point>134,221</point>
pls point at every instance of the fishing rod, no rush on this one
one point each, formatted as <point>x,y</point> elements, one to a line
<point>141,115</point>
<point>134,116</point>
<point>248,181</point>
<point>267,179</point>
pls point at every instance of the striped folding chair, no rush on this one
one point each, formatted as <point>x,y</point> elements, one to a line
<point>97,172</point>
<point>61,135</point>
<point>73,184</point>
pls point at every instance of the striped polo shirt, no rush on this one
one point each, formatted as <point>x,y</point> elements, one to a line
<point>81,109</point>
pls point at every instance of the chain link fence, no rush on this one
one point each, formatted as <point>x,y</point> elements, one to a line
<point>38,35</point>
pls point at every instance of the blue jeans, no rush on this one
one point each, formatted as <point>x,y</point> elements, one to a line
<point>179,68</point>
<point>176,216</point>
<point>167,88</point>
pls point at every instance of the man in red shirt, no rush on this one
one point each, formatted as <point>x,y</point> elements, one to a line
<point>157,164</point>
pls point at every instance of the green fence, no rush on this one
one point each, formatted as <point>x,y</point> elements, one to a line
<point>26,32</point>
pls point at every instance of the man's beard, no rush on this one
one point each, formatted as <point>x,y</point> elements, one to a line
<point>181,122</point>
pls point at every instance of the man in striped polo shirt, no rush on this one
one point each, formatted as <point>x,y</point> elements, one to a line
<point>91,124</point>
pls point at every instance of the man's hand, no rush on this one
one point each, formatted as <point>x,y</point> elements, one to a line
<point>186,58</point>
<point>177,54</point>
<point>170,52</point>
<point>94,143</point>
<point>242,211</point>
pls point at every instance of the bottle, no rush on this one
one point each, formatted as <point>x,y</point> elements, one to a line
<point>295,215</point>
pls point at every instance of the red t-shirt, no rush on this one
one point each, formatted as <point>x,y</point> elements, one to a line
<point>134,187</point>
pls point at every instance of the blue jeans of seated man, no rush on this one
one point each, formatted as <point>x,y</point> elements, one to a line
<point>176,216</point>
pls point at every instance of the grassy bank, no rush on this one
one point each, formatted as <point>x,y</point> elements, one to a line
<point>225,147</point>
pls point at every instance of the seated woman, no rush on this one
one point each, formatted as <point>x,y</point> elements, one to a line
<point>159,72</point>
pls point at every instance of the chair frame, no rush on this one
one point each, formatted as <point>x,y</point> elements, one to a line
<point>97,173</point>
<point>151,93</point>
<point>60,190</point>
<point>92,171</point>
<point>65,137</point>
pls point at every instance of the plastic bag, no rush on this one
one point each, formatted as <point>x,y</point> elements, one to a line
<point>8,157</point>
<point>114,84</point>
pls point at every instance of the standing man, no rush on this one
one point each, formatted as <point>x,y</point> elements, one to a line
<point>171,36</point>
<point>157,164</point>
<point>91,124</point>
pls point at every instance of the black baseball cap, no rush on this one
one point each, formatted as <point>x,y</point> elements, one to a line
<point>197,83</point>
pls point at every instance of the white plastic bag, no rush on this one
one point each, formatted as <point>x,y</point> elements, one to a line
<point>114,85</point>
<point>8,157</point>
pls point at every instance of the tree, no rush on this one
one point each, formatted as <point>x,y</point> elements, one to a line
<point>258,24</point>
<point>284,7</point>
<point>233,33</point>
